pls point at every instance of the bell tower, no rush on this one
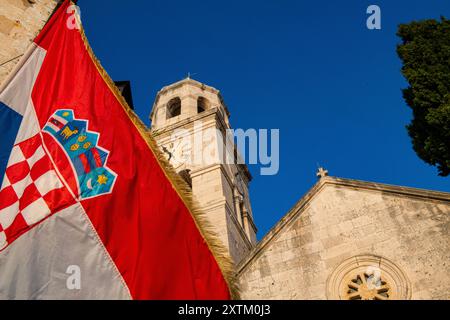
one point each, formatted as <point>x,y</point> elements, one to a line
<point>189,121</point>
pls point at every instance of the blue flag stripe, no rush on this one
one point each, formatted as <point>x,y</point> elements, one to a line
<point>9,127</point>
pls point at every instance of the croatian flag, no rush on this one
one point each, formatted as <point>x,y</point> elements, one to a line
<point>88,208</point>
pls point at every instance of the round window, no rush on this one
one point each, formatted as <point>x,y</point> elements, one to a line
<point>368,277</point>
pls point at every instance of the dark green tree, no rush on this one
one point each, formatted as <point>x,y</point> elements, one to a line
<point>425,53</point>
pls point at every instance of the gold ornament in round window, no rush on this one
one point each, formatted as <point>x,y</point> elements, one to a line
<point>368,277</point>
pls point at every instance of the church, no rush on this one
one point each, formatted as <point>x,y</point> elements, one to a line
<point>343,240</point>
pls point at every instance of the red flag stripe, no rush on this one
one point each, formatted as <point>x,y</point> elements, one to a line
<point>143,223</point>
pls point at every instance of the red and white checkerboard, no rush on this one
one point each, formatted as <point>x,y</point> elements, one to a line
<point>31,190</point>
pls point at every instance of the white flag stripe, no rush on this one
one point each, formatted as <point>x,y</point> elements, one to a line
<point>31,267</point>
<point>17,93</point>
<point>29,126</point>
<point>8,214</point>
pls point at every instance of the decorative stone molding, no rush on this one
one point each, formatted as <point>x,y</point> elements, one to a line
<point>368,277</point>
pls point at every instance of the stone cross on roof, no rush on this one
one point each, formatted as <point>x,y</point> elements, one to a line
<point>189,75</point>
<point>321,172</point>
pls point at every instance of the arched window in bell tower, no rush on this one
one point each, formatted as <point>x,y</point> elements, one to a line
<point>173,108</point>
<point>202,104</point>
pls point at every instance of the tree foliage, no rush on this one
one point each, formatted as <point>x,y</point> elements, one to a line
<point>425,53</point>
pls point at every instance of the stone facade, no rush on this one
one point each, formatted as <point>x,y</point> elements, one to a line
<point>190,119</point>
<point>20,22</point>
<point>342,225</point>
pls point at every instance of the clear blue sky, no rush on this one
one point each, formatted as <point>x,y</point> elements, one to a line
<point>310,68</point>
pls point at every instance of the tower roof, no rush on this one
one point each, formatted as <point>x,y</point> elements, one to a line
<point>191,82</point>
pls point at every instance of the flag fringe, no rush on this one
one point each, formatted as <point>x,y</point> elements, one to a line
<point>214,243</point>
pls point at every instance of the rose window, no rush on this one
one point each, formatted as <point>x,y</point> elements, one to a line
<point>367,287</point>
<point>368,277</point>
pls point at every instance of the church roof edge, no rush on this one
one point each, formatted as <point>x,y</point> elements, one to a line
<point>343,182</point>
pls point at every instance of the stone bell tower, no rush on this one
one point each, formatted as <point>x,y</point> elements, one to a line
<point>189,121</point>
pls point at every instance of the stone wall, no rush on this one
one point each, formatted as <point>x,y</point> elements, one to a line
<point>20,22</point>
<point>296,261</point>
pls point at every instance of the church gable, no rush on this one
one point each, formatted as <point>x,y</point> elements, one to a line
<point>342,234</point>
